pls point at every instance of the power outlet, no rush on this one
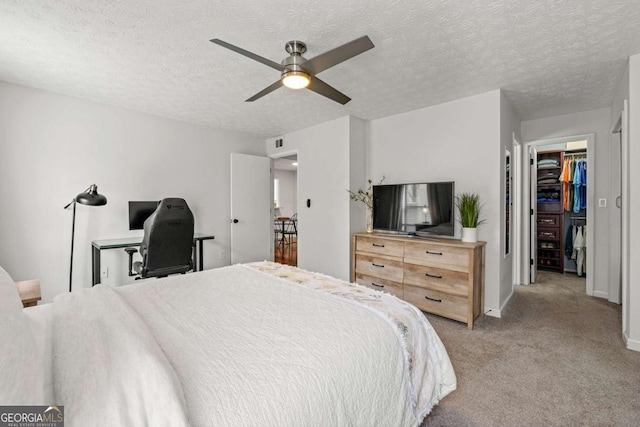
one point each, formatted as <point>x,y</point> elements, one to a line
<point>104,273</point>
<point>223,254</point>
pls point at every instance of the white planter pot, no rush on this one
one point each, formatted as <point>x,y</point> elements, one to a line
<point>469,234</point>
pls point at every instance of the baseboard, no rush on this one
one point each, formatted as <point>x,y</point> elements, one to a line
<point>493,313</point>
<point>498,313</point>
<point>600,294</point>
<point>632,344</point>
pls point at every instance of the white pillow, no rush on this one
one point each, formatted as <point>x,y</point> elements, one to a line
<point>9,296</point>
<point>21,371</point>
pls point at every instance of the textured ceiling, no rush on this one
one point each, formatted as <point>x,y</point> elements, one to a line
<point>550,56</point>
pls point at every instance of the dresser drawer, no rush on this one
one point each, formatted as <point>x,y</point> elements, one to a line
<point>448,281</point>
<point>550,221</point>
<point>377,266</point>
<point>435,255</point>
<point>440,303</point>
<point>380,246</point>
<point>548,233</point>
<point>379,284</point>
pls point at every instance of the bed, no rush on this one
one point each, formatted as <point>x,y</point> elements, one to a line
<point>255,344</point>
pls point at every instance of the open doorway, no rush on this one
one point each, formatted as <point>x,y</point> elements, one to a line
<point>558,213</point>
<point>285,209</point>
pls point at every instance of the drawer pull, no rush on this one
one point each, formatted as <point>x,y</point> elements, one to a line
<point>377,265</point>
<point>434,253</point>
<point>378,246</point>
<point>433,275</point>
<point>433,299</point>
<point>376,285</point>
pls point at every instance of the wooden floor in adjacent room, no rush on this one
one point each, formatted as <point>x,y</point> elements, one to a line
<point>287,253</point>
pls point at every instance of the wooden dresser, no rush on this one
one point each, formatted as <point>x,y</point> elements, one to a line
<point>443,277</point>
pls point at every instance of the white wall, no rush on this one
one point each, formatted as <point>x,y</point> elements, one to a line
<point>53,147</point>
<point>456,141</point>
<point>357,174</point>
<point>288,188</point>
<point>324,157</point>
<point>588,122</point>
<point>634,203</point>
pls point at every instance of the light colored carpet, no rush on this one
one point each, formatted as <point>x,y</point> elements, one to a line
<point>555,358</point>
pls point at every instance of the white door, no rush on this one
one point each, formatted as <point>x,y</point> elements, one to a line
<point>615,221</point>
<point>250,208</point>
<point>533,212</point>
<point>624,206</point>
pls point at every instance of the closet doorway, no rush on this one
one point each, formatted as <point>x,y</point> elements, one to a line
<point>560,187</point>
<point>285,209</point>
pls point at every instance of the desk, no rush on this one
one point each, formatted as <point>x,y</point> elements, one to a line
<point>98,245</point>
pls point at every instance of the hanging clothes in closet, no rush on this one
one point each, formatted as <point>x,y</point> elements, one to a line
<point>574,179</point>
<point>576,245</point>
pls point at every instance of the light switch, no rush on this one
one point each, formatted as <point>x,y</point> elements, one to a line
<point>602,203</point>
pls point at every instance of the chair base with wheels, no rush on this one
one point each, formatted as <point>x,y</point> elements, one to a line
<point>137,268</point>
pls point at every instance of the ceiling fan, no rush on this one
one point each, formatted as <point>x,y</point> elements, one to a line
<point>297,72</point>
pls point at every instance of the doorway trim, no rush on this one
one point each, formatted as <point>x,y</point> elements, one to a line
<point>526,181</point>
<point>516,202</point>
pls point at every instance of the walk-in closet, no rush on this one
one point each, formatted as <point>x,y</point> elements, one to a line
<point>561,191</point>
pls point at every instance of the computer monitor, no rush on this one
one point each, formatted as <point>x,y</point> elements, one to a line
<point>139,212</point>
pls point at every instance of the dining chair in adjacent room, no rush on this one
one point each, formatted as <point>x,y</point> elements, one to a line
<point>291,229</point>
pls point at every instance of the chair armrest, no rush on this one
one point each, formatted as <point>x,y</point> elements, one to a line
<point>131,251</point>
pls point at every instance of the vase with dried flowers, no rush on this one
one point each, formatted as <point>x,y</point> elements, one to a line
<point>366,197</point>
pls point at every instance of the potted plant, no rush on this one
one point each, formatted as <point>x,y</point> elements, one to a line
<point>468,205</point>
<point>366,197</point>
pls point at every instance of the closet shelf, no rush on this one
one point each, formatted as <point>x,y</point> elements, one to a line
<point>550,217</point>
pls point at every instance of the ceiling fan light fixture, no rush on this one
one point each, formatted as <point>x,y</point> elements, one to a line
<point>296,79</point>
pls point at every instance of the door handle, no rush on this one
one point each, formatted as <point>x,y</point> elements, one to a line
<point>234,220</point>
<point>619,202</point>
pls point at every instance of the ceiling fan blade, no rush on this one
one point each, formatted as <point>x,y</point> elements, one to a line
<point>320,87</point>
<point>248,54</point>
<point>267,90</point>
<point>335,56</point>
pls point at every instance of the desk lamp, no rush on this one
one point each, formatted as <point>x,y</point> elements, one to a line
<point>89,197</point>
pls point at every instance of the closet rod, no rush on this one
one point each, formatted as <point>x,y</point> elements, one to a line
<point>576,155</point>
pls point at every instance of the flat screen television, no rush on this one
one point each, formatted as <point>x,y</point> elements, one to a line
<point>424,209</point>
<point>139,212</point>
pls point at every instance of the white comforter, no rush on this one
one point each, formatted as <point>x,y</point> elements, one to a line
<point>236,346</point>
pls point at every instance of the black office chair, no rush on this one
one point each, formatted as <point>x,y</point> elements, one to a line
<point>167,245</point>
